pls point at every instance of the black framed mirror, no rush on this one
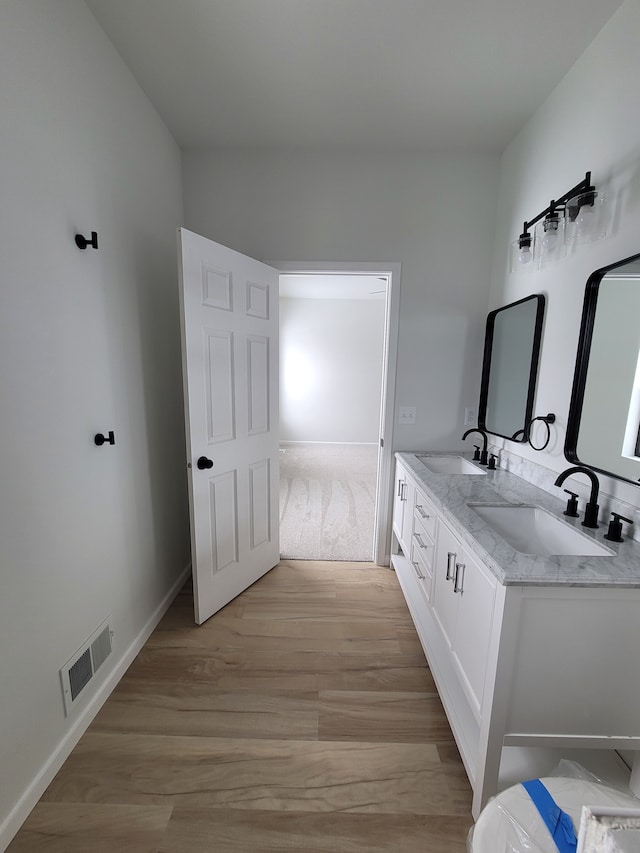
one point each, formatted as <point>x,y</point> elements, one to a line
<point>510,368</point>
<point>603,428</point>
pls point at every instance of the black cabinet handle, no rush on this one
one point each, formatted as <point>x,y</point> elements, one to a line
<point>203,463</point>
<point>101,439</point>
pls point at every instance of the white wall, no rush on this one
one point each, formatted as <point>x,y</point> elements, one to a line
<point>89,341</point>
<point>588,123</point>
<point>331,369</point>
<point>435,214</point>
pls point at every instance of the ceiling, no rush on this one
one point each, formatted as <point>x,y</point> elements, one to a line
<point>349,75</point>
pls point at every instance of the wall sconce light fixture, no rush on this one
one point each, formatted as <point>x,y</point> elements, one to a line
<point>524,247</point>
<point>575,217</point>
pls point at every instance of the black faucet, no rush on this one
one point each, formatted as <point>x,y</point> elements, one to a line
<point>591,509</point>
<point>483,455</point>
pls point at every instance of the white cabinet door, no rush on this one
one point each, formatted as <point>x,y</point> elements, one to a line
<point>403,509</point>
<point>463,599</point>
<point>475,591</point>
<point>445,601</point>
<point>398,500</point>
<point>229,313</point>
<point>407,518</point>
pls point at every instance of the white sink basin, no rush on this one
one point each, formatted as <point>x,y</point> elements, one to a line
<point>450,465</point>
<point>533,530</point>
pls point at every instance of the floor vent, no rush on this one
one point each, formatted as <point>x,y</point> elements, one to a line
<point>80,669</point>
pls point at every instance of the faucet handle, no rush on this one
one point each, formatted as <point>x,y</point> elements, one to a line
<point>591,515</point>
<point>614,533</point>
<point>572,505</point>
<point>492,462</point>
<point>476,455</point>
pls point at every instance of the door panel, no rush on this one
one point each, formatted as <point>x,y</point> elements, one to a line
<point>259,491</point>
<point>220,386</point>
<point>223,513</point>
<point>229,314</point>
<point>258,381</point>
<point>217,288</point>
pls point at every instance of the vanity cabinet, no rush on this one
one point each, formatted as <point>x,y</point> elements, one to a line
<point>516,663</point>
<point>451,599</point>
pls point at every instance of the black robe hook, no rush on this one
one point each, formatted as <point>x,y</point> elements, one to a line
<point>82,242</point>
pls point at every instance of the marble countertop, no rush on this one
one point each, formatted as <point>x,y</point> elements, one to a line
<point>451,494</point>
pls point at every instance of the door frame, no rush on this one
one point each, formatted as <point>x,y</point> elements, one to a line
<point>392,271</point>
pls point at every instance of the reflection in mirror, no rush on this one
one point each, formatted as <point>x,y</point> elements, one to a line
<point>604,416</point>
<point>510,366</point>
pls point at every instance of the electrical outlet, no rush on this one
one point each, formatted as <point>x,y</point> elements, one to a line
<point>407,415</point>
<point>470,417</point>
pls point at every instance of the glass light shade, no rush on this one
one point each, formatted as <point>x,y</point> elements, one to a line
<point>550,238</point>
<point>587,217</point>
<point>521,255</point>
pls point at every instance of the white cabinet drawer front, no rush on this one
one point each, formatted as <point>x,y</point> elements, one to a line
<point>414,588</point>
<point>425,512</point>
<point>423,550</point>
<point>422,570</point>
<point>426,531</point>
<point>423,544</point>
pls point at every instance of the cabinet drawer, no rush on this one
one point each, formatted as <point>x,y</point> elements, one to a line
<point>421,569</point>
<point>425,513</point>
<point>423,545</point>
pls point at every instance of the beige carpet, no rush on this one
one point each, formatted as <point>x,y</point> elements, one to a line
<point>327,501</point>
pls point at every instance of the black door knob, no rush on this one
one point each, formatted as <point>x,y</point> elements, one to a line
<point>203,463</point>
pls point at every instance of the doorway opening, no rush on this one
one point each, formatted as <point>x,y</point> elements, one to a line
<point>338,343</point>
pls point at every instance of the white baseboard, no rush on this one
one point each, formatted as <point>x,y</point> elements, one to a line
<point>19,813</point>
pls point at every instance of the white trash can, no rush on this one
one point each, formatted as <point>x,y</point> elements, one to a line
<point>511,823</point>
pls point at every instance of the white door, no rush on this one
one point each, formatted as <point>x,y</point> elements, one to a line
<point>229,315</point>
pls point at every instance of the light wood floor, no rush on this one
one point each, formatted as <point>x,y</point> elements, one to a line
<point>302,717</point>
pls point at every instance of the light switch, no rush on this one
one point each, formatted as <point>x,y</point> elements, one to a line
<point>407,415</point>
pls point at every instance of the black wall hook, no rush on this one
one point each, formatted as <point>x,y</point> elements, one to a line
<point>82,242</point>
<point>100,439</point>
